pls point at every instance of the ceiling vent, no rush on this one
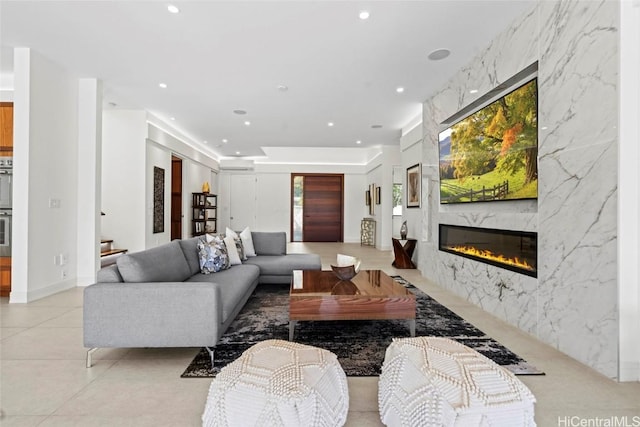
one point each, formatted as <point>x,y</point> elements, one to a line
<point>236,165</point>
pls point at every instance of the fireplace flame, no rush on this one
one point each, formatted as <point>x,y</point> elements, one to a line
<point>488,255</point>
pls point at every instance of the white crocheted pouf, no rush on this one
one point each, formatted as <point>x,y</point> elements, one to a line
<point>429,381</point>
<point>279,383</point>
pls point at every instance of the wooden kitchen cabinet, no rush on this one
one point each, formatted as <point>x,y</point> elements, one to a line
<point>5,276</point>
<point>6,128</point>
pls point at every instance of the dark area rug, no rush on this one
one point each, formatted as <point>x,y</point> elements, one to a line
<point>360,345</point>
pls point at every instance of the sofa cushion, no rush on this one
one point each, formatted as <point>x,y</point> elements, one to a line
<point>269,243</point>
<point>232,250</point>
<point>109,274</point>
<point>190,250</point>
<point>165,263</point>
<point>234,283</point>
<point>212,255</point>
<point>247,242</point>
<point>283,265</point>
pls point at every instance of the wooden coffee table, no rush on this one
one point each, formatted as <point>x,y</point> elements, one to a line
<point>370,295</point>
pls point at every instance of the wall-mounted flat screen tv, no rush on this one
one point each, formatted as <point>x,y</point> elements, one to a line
<point>492,154</point>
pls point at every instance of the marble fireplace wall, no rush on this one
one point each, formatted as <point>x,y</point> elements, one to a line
<point>572,305</point>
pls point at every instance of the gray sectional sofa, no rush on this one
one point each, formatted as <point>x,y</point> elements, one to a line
<point>159,297</point>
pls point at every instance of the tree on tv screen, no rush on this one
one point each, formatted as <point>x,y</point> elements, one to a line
<point>501,137</point>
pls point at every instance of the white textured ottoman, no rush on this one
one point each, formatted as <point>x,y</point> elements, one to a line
<point>428,381</point>
<point>279,383</point>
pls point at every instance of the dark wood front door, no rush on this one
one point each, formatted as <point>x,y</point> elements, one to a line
<point>176,198</point>
<point>323,208</point>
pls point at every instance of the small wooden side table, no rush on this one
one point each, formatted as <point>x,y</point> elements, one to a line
<point>403,253</point>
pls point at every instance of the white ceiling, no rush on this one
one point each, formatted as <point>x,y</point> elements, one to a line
<point>221,56</point>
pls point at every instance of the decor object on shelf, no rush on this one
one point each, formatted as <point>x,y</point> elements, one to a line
<point>414,180</point>
<point>492,154</point>
<point>205,187</point>
<point>158,200</point>
<point>403,230</point>
<point>435,381</point>
<point>368,232</point>
<point>280,383</point>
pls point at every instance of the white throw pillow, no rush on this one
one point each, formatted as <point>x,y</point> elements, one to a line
<point>247,242</point>
<point>232,251</point>
<point>229,232</point>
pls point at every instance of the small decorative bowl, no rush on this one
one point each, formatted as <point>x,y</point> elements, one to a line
<point>344,272</point>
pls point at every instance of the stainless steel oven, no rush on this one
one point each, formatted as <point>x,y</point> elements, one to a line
<point>5,232</point>
<point>6,182</point>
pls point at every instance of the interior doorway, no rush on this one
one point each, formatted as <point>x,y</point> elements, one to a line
<point>317,207</point>
<point>176,198</point>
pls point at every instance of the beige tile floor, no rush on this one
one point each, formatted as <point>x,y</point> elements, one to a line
<point>44,381</point>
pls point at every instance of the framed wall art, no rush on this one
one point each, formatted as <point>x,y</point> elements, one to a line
<point>413,186</point>
<point>158,200</point>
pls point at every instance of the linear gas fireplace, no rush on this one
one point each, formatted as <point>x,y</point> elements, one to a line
<point>514,250</point>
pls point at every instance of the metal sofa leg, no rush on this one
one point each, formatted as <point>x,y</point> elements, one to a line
<point>89,353</point>
<point>210,350</point>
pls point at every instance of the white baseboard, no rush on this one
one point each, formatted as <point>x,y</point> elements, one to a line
<point>629,371</point>
<point>29,296</point>
<point>85,281</point>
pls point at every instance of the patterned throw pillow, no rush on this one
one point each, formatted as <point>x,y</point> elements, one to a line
<point>240,248</point>
<point>212,255</point>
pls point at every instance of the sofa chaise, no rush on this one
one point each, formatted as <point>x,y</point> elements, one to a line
<point>159,297</point>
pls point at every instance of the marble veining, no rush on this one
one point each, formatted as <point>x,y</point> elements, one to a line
<point>576,46</point>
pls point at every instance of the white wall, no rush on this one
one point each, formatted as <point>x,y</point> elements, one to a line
<point>629,193</point>
<point>411,153</point>
<point>158,156</point>
<point>89,179</point>
<point>124,199</point>
<point>273,194</point>
<point>194,174</point>
<point>573,303</point>
<point>45,169</point>
<point>273,203</point>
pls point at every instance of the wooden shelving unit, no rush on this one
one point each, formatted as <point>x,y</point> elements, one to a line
<point>204,215</point>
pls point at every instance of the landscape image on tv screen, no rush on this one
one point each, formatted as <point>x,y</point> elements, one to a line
<point>493,153</point>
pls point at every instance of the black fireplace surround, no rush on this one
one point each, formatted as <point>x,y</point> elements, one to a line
<point>513,250</point>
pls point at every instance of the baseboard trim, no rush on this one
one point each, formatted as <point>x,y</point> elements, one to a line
<point>30,296</point>
<point>629,371</point>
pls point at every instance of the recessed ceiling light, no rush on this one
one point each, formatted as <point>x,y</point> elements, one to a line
<point>247,123</point>
<point>173,9</point>
<point>172,118</point>
<point>358,142</point>
<point>439,54</point>
<point>283,88</point>
<point>473,91</point>
<point>330,124</point>
<point>364,14</point>
<point>544,128</point>
<point>376,126</point>
<point>206,142</point>
<point>237,152</point>
<point>240,112</point>
<point>399,89</point>
<point>225,140</point>
<point>163,85</point>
